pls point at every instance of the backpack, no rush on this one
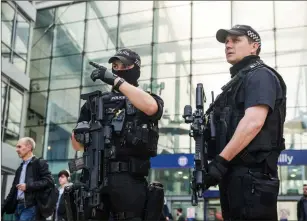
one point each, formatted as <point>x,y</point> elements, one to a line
<point>47,198</point>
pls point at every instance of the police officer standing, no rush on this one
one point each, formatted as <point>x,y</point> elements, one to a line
<point>249,118</point>
<point>125,196</point>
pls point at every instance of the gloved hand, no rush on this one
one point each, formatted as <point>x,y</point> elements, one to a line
<point>216,170</point>
<point>104,75</point>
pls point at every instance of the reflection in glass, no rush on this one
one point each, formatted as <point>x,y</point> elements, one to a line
<point>19,63</point>
<point>135,31</point>
<point>135,6</point>
<point>58,145</point>
<point>101,34</point>
<point>170,26</point>
<point>70,13</point>
<point>247,12</point>
<point>42,42</point>
<point>99,9</point>
<point>14,111</point>
<point>22,36</point>
<point>7,20</point>
<point>172,52</point>
<point>66,72</point>
<point>37,109</point>
<point>10,137</point>
<point>291,180</point>
<point>207,11</point>
<point>100,57</point>
<point>44,17</point>
<point>175,181</point>
<point>68,39</point>
<point>39,74</point>
<point>37,133</point>
<point>63,106</point>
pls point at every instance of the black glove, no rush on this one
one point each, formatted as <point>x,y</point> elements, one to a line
<point>216,170</point>
<point>103,74</point>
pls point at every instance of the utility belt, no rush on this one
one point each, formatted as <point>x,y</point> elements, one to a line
<point>143,135</point>
<point>135,166</point>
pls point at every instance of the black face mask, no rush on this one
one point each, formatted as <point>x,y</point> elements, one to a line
<point>131,76</point>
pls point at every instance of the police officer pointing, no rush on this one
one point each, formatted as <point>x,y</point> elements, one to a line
<point>249,119</point>
<point>125,196</point>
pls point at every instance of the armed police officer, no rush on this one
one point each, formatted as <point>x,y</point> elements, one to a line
<point>126,194</point>
<point>248,116</point>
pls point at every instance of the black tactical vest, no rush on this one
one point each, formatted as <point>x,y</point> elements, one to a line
<point>228,112</point>
<point>134,134</point>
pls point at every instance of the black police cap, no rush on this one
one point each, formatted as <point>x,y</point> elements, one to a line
<point>127,56</point>
<point>238,30</point>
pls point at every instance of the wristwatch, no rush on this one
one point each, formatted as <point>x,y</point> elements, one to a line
<point>118,84</point>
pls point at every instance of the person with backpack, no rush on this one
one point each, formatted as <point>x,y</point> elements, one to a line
<point>32,181</point>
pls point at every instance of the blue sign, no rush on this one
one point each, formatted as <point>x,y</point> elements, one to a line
<point>286,158</point>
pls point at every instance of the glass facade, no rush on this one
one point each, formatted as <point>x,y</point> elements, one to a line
<point>177,44</point>
<point>15,32</point>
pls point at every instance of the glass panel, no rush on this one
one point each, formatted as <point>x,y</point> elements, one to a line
<point>247,12</point>
<point>63,106</point>
<point>296,58</point>
<point>14,111</point>
<point>175,95</point>
<point>172,52</point>
<point>44,17</point>
<point>135,31</point>
<point>58,145</point>
<point>3,98</point>
<point>37,109</point>
<point>70,13</point>
<point>66,72</point>
<point>19,63</point>
<point>101,34</point>
<point>7,20</point>
<point>102,58</point>
<point>170,27</point>
<point>37,133</point>
<point>99,9</point>
<point>10,137</point>
<point>295,8</point>
<point>135,6</point>
<point>42,42</point>
<point>267,42</point>
<point>22,36</point>
<point>175,181</point>
<point>39,74</point>
<point>146,86</point>
<point>68,39</point>
<point>295,78</point>
<point>174,135</point>
<point>5,51</point>
<point>166,4</point>
<point>291,40</point>
<point>208,49</point>
<point>204,12</point>
<point>295,128</point>
<point>171,70</point>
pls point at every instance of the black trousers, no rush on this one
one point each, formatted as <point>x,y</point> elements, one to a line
<point>123,199</point>
<point>249,195</point>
